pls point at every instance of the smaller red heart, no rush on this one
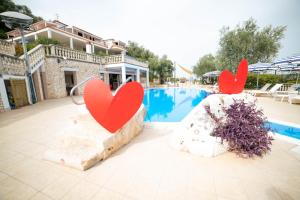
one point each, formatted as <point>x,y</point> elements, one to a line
<point>230,84</point>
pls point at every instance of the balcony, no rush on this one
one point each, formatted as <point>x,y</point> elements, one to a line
<point>67,53</point>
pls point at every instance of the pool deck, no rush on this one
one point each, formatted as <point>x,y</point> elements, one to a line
<point>146,168</point>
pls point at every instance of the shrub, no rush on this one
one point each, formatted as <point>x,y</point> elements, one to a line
<point>268,78</point>
<point>31,45</point>
<point>244,130</point>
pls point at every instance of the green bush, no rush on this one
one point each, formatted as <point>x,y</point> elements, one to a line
<point>268,78</point>
<point>31,45</point>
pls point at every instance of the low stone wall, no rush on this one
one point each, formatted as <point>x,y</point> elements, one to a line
<point>2,109</point>
<point>11,65</point>
<point>55,79</point>
<point>7,48</point>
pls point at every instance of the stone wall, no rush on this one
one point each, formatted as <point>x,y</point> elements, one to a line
<point>2,109</point>
<point>55,79</point>
<point>11,65</point>
<point>7,48</point>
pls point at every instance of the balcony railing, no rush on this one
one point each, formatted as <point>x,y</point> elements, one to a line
<point>16,66</point>
<point>67,53</point>
<point>7,48</point>
<point>35,57</point>
<point>133,61</point>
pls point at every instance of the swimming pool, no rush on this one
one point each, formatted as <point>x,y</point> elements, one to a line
<point>282,129</point>
<point>171,104</point>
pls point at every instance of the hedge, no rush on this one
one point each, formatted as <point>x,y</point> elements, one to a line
<point>269,78</point>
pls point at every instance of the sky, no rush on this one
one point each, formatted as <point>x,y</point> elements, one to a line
<point>184,30</point>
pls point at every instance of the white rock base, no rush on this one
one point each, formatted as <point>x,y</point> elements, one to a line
<point>86,143</point>
<point>194,132</point>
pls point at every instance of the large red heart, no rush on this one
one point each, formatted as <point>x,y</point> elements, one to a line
<point>230,84</point>
<point>112,112</point>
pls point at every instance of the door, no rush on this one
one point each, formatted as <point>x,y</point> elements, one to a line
<point>19,92</point>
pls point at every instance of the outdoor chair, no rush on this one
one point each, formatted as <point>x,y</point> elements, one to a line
<point>294,99</point>
<point>270,92</point>
<point>263,88</point>
<point>292,91</point>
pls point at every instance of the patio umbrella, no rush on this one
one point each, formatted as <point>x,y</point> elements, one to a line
<point>290,67</point>
<point>295,59</point>
<point>212,74</point>
<point>260,67</point>
<point>289,64</point>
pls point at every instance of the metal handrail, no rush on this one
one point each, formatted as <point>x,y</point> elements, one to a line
<point>84,81</point>
<point>76,86</point>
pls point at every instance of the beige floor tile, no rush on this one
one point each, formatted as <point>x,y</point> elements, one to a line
<point>120,181</point>
<point>260,189</point>
<point>108,195</point>
<point>3,176</point>
<point>30,149</point>
<point>12,164</point>
<point>229,188</point>
<point>40,196</point>
<point>144,167</point>
<point>82,190</point>
<point>61,186</point>
<point>142,188</point>
<point>37,174</point>
<point>11,188</point>
<point>101,173</point>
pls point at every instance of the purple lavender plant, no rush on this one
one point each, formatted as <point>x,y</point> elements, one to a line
<point>243,130</point>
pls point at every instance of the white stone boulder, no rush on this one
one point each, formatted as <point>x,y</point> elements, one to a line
<point>194,133</point>
<point>86,142</point>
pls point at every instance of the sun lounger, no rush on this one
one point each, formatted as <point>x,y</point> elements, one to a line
<point>294,99</point>
<point>270,92</point>
<point>285,94</point>
<point>263,88</point>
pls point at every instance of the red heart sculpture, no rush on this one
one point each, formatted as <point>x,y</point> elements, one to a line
<point>112,112</point>
<point>230,84</point>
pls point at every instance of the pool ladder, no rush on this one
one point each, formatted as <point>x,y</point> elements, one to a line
<point>95,77</point>
<point>84,81</point>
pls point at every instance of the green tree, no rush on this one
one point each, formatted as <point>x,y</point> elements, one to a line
<point>165,69</point>
<point>8,5</point>
<point>160,68</point>
<point>250,42</point>
<point>205,64</point>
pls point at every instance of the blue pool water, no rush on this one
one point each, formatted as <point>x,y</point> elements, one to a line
<point>282,129</point>
<point>171,104</point>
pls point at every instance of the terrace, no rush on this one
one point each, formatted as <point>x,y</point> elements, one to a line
<point>147,168</point>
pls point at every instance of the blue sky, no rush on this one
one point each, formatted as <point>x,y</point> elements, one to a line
<point>184,30</point>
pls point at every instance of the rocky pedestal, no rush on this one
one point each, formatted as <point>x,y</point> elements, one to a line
<point>86,142</point>
<point>194,133</point>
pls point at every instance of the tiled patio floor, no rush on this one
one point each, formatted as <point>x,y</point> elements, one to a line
<point>146,168</point>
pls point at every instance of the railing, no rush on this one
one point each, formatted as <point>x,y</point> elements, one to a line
<point>114,59</point>
<point>12,65</point>
<point>67,53</point>
<point>131,60</point>
<point>7,48</point>
<point>35,57</point>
